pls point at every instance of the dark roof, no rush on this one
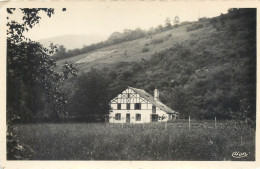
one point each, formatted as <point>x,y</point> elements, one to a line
<point>150,98</point>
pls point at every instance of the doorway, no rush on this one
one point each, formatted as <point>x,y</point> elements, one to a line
<point>128,118</point>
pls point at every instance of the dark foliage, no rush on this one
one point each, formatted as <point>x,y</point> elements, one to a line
<point>145,49</point>
<point>31,77</point>
<point>91,97</point>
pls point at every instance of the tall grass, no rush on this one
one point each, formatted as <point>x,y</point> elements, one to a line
<point>96,141</point>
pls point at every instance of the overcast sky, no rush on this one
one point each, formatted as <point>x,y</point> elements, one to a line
<point>107,18</point>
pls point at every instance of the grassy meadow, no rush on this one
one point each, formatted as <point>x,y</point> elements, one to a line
<point>97,141</point>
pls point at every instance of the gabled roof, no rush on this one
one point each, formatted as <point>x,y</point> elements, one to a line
<point>150,98</point>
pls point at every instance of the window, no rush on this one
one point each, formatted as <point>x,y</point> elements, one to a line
<point>128,95</point>
<point>118,106</point>
<point>128,106</point>
<point>154,117</point>
<point>138,117</point>
<point>118,116</point>
<point>153,109</point>
<point>137,106</point>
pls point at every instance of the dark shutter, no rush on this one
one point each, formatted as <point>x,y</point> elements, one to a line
<point>128,106</point>
<point>118,106</point>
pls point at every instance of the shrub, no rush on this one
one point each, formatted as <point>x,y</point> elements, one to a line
<point>185,53</point>
<point>203,19</point>
<point>194,27</point>
<point>156,41</point>
<point>214,22</point>
<point>145,49</point>
<point>185,23</point>
<point>169,35</point>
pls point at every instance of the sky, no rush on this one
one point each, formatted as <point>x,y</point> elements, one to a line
<point>106,18</point>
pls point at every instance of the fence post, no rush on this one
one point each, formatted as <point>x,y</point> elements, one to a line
<point>105,121</point>
<point>189,122</point>
<point>144,122</point>
<point>215,122</point>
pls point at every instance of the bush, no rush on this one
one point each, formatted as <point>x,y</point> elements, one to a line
<point>169,35</point>
<point>185,23</point>
<point>214,22</point>
<point>156,41</point>
<point>203,19</point>
<point>185,53</point>
<point>194,27</point>
<point>145,49</point>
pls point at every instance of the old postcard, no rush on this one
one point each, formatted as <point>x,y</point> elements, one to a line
<point>129,84</point>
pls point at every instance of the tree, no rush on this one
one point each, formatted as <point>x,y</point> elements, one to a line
<point>30,67</point>
<point>127,34</point>
<point>168,23</point>
<point>182,100</point>
<point>92,96</point>
<point>159,28</point>
<point>176,21</point>
<point>138,33</point>
<point>115,37</point>
<point>222,19</point>
<point>230,10</point>
<point>61,52</point>
<point>151,31</point>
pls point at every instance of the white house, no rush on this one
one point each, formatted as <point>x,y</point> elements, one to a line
<point>137,106</point>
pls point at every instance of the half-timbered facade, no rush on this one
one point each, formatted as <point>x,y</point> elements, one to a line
<point>137,106</point>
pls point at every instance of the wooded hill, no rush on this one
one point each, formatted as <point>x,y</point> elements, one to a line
<point>203,69</point>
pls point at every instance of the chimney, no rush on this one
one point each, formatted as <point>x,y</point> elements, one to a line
<point>156,94</point>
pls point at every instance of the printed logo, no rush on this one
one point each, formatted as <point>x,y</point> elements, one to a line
<point>238,154</point>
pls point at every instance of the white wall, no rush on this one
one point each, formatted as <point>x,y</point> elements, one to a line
<point>145,116</point>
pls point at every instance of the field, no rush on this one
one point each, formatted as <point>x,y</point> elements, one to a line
<point>176,141</point>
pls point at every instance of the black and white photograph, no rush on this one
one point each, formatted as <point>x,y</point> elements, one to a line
<point>130,81</point>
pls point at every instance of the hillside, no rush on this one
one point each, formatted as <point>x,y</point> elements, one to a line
<point>133,50</point>
<point>72,41</point>
<point>207,71</point>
